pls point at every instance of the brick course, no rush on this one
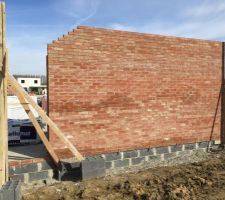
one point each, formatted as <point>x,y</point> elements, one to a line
<point>114,90</point>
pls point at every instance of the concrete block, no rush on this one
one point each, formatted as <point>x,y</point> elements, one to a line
<point>121,163</point>
<point>11,190</point>
<point>108,165</point>
<point>216,142</point>
<point>21,169</point>
<point>47,166</point>
<point>113,156</point>
<point>93,163</point>
<point>176,148</point>
<point>17,187</point>
<point>38,176</point>
<point>146,152</point>
<point>203,145</point>
<point>93,174</point>
<point>1,195</point>
<point>8,191</point>
<point>152,158</point>
<point>169,155</point>
<point>190,146</point>
<point>18,177</point>
<point>137,161</point>
<point>93,167</point>
<point>130,154</point>
<point>162,150</point>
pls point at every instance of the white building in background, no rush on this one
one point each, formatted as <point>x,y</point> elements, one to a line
<point>26,82</point>
<point>32,82</point>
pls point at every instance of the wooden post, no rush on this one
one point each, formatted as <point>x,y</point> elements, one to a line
<point>6,115</point>
<point>3,103</point>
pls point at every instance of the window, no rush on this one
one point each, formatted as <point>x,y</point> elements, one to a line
<point>22,81</point>
<point>35,81</point>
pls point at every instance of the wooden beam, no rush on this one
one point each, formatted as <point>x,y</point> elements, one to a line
<point>6,66</point>
<point>38,128</point>
<point>19,90</point>
<point>3,103</point>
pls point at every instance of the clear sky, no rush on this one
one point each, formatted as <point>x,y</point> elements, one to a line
<point>32,24</point>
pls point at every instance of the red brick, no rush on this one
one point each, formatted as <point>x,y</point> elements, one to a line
<point>118,90</point>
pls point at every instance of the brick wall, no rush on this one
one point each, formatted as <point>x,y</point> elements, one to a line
<point>115,90</point>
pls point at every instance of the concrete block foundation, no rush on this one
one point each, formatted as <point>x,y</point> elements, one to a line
<point>104,164</point>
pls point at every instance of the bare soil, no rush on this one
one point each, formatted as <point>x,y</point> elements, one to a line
<point>188,181</point>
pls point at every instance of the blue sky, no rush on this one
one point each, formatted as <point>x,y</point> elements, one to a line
<point>32,24</point>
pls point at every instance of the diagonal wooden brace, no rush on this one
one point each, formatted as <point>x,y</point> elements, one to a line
<point>38,128</point>
<point>19,90</point>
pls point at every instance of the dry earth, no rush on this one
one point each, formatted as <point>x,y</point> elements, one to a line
<point>203,177</point>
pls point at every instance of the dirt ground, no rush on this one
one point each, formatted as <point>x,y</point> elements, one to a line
<point>204,179</point>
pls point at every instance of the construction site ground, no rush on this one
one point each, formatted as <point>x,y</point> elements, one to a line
<point>196,176</point>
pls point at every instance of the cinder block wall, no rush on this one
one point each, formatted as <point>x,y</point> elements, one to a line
<point>116,91</point>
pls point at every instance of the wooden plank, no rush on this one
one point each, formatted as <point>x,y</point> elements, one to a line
<point>38,128</point>
<point>5,67</point>
<point>18,89</point>
<point>6,116</point>
<point>3,94</point>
